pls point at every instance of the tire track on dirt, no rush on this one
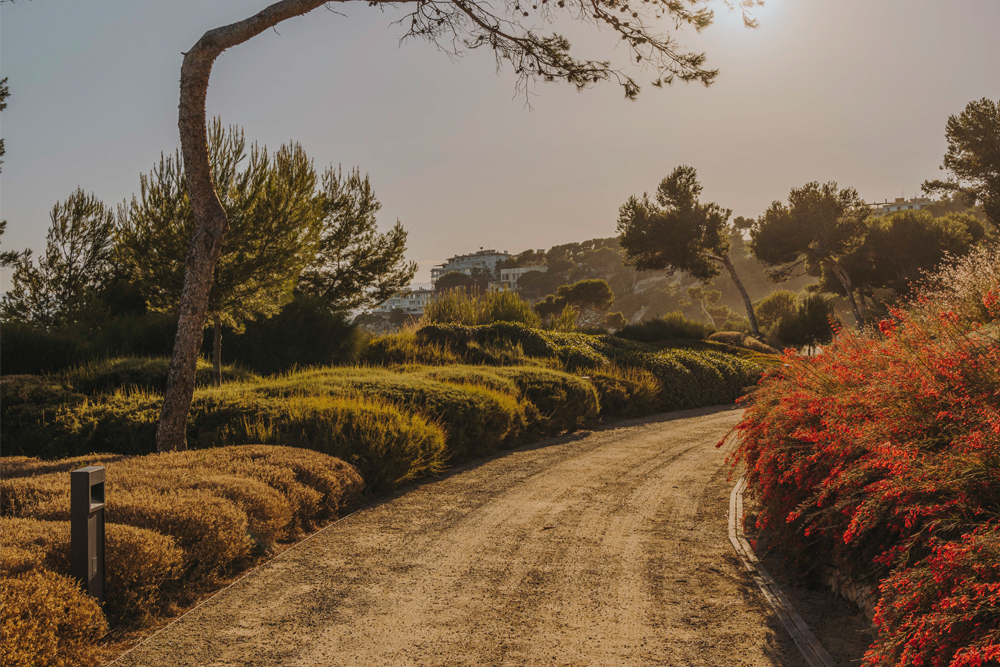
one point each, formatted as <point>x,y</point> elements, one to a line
<point>600,548</point>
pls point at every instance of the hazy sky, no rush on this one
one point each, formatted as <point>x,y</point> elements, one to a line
<point>856,91</point>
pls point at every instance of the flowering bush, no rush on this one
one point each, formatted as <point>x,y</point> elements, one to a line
<point>883,455</point>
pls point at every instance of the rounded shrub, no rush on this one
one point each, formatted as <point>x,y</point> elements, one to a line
<point>48,621</point>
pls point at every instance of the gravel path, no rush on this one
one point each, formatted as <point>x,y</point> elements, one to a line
<point>600,548</point>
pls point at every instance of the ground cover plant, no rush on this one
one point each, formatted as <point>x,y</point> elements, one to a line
<point>882,457</point>
<point>178,524</point>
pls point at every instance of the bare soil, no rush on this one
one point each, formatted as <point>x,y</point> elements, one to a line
<point>599,548</point>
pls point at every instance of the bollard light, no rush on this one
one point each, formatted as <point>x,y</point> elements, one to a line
<point>87,528</point>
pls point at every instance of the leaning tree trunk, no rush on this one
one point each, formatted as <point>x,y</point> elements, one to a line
<point>845,281</point>
<point>743,292</point>
<point>210,222</point>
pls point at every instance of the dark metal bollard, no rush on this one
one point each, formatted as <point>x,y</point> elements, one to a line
<point>87,528</point>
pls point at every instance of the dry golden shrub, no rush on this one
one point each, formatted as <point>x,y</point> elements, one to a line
<point>139,562</point>
<point>728,337</point>
<point>141,566</point>
<point>212,531</point>
<point>48,621</point>
<point>318,486</point>
<point>752,343</point>
<point>268,512</point>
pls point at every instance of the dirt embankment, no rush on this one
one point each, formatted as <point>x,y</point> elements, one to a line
<point>600,548</point>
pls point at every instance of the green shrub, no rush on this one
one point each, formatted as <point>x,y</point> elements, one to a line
<point>564,402</point>
<point>672,325</point>
<point>478,420</point>
<point>626,392</point>
<point>407,348</point>
<point>107,375</point>
<point>776,306</point>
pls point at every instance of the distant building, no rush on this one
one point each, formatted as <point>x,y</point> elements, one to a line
<point>901,204</point>
<point>509,277</point>
<point>411,302</point>
<point>484,260</point>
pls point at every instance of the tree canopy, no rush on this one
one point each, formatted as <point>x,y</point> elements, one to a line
<point>75,264</point>
<point>679,233</point>
<point>355,265</point>
<point>275,223</point>
<point>819,225</point>
<point>973,158</point>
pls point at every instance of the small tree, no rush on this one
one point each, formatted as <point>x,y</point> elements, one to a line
<point>275,224</point>
<point>590,299</point>
<point>706,298</point>
<point>355,266</point>
<point>75,265</point>
<point>973,158</point>
<point>818,227</point>
<point>678,233</point>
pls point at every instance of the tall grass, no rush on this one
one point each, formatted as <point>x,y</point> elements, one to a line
<point>460,307</point>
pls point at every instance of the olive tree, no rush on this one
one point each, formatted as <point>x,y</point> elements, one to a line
<point>511,30</point>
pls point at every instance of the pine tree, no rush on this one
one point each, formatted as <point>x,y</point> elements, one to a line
<point>75,265</point>
<point>275,219</point>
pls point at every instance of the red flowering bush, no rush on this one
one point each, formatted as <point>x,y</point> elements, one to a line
<point>882,456</point>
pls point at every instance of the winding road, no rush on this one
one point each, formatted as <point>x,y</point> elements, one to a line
<point>606,547</point>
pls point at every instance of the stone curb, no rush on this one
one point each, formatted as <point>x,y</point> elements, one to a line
<point>804,639</point>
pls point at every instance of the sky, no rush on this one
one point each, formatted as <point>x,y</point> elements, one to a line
<point>854,91</point>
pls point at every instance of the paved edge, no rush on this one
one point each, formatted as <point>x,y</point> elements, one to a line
<point>804,639</point>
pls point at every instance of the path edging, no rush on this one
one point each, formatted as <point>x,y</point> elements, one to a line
<point>804,639</point>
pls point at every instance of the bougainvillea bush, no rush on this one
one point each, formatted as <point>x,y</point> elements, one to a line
<point>881,456</point>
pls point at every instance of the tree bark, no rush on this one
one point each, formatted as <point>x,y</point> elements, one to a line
<point>217,351</point>
<point>704,309</point>
<point>210,222</point>
<point>743,292</point>
<point>845,280</point>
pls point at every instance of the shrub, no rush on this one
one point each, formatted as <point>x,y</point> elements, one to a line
<point>48,621</point>
<point>139,563</point>
<point>407,348</point>
<point>672,325</point>
<point>778,305</point>
<point>107,375</point>
<point>477,420</point>
<point>883,454</point>
<point>387,445</point>
<point>304,334</point>
<point>564,402</point>
<point>626,392</point>
<point>728,337</point>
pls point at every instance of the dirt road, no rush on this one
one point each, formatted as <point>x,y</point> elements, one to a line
<point>600,548</point>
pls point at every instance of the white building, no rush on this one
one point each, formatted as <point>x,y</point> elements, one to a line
<point>411,302</point>
<point>509,277</point>
<point>901,204</point>
<point>484,260</point>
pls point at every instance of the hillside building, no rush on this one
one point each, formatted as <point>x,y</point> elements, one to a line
<point>411,302</point>
<point>901,204</point>
<point>484,260</point>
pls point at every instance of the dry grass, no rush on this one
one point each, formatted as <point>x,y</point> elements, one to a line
<point>48,621</point>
